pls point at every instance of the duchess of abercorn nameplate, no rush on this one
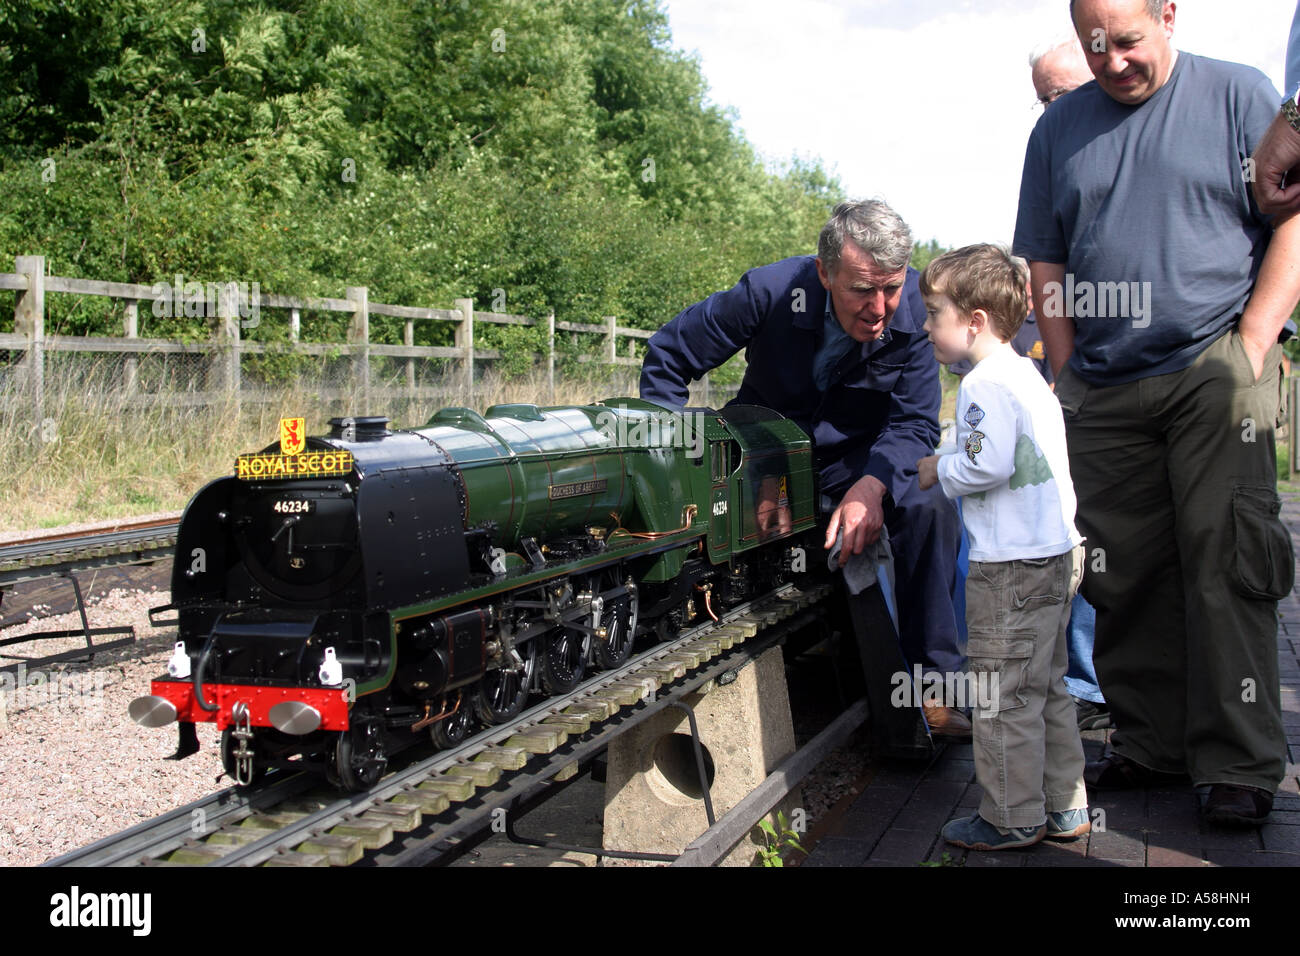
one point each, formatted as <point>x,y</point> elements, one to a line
<point>577,488</point>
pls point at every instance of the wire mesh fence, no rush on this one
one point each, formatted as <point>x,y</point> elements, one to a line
<point>121,423</point>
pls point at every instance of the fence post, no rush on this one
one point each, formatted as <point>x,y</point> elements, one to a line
<point>408,338</point>
<point>611,343</point>
<point>226,357</point>
<point>131,330</point>
<point>465,340</point>
<point>550,357</point>
<point>295,324</point>
<point>359,339</point>
<point>1293,425</point>
<point>29,320</point>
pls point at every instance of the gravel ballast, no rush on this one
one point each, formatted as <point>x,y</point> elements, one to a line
<point>73,766</point>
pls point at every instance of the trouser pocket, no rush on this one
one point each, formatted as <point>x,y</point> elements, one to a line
<point>999,667</point>
<point>1283,400</point>
<point>1038,582</point>
<point>1263,563</point>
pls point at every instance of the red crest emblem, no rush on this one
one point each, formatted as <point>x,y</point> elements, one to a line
<point>293,435</point>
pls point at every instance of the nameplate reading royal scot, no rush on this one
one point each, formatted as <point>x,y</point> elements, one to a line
<point>312,464</point>
<point>577,488</point>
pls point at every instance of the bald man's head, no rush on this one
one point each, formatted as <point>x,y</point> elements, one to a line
<point>1058,70</point>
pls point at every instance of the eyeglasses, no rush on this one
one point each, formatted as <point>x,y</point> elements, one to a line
<point>1051,96</point>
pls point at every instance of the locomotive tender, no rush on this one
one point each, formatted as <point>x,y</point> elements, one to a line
<point>338,592</point>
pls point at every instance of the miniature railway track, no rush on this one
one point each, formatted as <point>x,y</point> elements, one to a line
<point>415,815</point>
<point>61,552</point>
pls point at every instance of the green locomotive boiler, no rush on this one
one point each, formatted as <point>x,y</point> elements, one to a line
<point>338,591</point>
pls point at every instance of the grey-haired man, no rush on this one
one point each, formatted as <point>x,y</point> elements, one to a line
<point>835,342</point>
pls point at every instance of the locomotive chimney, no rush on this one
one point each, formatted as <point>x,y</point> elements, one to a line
<point>366,428</point>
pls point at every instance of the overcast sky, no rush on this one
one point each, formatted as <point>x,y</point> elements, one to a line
<point>925,103</point>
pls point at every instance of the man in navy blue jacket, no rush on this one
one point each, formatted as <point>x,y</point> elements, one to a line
<point>835,342</point>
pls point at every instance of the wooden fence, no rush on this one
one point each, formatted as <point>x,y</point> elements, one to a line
<point>225,347</point>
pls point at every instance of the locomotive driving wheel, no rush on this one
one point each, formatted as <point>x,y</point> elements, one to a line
<point>618,618</point>
<point>450,731</point>
<point>359,759</point>
<point>564,659</point>
<point>502,691</point>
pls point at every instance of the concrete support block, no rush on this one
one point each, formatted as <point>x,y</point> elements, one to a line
<point>652,796</point>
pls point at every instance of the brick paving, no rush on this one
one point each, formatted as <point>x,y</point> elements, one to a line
<point>896,820</point>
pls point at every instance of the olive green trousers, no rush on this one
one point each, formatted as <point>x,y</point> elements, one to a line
<point>1187,558</point>
<point>1025,731</point>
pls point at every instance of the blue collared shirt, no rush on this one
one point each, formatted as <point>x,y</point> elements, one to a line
<point>879,412</point>
<point>835,345</point>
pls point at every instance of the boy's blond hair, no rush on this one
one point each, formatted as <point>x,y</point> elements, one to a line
<point>984,277</point>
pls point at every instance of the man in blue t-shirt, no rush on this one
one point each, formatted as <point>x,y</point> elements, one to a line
<point>1161,291</point>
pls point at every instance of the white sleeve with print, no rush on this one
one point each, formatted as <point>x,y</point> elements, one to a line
<point>1011,467</point>
<point>986,440</point>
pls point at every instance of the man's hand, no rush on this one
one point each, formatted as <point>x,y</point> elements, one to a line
<point>1276,290</point>
<point>862,513</point>
<point>927,472</point>
<point>1255,351</point>
<point>1278,155</point>
<point>1054,324</point>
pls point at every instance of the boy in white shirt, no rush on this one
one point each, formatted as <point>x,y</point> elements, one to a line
<point>1026,558</point>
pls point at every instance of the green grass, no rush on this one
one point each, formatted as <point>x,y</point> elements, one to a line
<point>111,458</point>
<point>948,384</point>
<point>1287,483</point>
<point>115,459</point>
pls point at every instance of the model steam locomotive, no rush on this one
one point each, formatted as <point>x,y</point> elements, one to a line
<point>337,592</point>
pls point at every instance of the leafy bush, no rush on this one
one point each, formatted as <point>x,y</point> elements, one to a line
<point>428,149</point>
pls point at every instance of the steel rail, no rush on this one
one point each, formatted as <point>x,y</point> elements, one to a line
<point>527,788</point>
<point>151,839</point>
<point>338,812</point>
<point>147,842</point>
<point>51,555</point>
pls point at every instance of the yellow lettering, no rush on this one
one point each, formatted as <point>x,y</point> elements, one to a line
<point>250,467</point>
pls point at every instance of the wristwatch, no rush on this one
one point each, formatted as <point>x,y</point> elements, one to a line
<point>1291,112</point>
